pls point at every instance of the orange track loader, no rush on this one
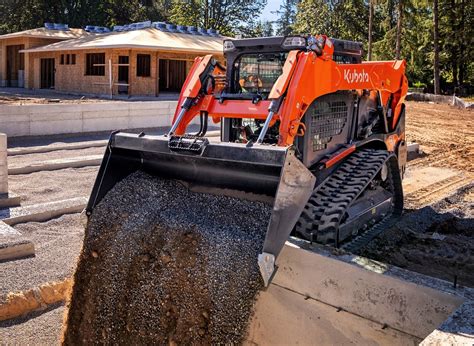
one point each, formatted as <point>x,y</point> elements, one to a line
<point>304,123</point>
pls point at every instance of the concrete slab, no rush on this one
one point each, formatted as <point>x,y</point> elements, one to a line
<point>413,147</point>
<point>458,329</point>
<point>413,151</point>
<point>42,212</point>
<point>13,245</point>
<point>284,317</point>
<point>51,165</point>
<point>9,200</point>
<point>412,305</point>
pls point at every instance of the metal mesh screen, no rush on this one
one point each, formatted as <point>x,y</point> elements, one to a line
<point>258,73</point>
<point>327,120</point>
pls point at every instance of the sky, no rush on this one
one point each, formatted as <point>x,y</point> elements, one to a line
<point>272,5</point>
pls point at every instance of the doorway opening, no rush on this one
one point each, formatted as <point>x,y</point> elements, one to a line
<point>15,66</point>
<point>123,79</point>
<point>47,73</point>
<point>172,74</point>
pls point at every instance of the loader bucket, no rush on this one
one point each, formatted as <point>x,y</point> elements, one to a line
<point>259,172</point>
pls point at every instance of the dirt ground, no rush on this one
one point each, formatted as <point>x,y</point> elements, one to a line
<point>57,245</point>
<point>435,236</point>
<point>47,186</point>
<point>21,96</point>
<point>445,133</point>
<point>39,328</point>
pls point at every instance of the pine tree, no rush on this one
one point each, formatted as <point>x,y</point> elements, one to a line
<point>228,17</point>
<point>286,17</point>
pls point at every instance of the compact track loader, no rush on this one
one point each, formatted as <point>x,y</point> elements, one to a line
<point>305,124</point>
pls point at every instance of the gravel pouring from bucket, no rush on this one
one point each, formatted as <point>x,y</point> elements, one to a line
<point>264,173</point>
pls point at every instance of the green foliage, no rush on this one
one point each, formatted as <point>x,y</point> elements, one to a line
<point>17,15</point>
<point>335,18</point>
<point>349,20</point>
<point>259,29</point>
<point>286,17</point>
<point>227,16</point>
<point>419,85</point>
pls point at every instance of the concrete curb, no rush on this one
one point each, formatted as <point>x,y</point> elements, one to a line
<point>73,146</point>
<point>52,165</point>
<point>46,211</point>
<point>451,100</point>
<point>16,304</point>
<point>8,200</point>
<point>13,245</point>
<point>49,148</point>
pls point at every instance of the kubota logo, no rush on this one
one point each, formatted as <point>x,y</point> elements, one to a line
<point>355,77</point>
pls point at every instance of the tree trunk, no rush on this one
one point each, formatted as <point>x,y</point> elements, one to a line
<point>398,46</point>
<point>462,48</point>
<point>371,18</point>
<point>436,47</point>
<point>454,44</point>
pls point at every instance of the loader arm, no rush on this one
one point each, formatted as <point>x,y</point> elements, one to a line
<point>306,76</point>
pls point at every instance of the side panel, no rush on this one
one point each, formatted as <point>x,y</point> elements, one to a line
<point>328,122</point>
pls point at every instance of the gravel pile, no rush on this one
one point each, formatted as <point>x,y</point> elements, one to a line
<point>164,265</point>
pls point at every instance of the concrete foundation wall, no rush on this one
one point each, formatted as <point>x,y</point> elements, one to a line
<point>37,120</point>
<point>363,290</point>
<point>3,164</point>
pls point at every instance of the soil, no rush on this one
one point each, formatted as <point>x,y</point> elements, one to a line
<point>164,265</point>
<point>445,133</point>
<point>436,233</point>
<point>57,246</point>
<point>436,240</point>
<point>47,186</point>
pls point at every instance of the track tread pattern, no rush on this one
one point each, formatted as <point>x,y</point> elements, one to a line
<point>326,207</point>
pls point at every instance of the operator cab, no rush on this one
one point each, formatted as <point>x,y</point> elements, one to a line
<point>254,65</point>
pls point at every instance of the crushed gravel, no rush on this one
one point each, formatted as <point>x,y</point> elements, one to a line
<point>57,246</point>
<point>37,328</point>
<point>47,186</point>
<point>164,265</point>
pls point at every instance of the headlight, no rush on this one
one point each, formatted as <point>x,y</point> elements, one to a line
<point>294,41</point>
<point>228,46</point>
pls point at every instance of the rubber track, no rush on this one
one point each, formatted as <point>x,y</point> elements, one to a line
<point>326,207</point>
<point>366,237</point>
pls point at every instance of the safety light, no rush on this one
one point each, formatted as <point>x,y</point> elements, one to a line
<point>228,46</point>
<point>294,41</point>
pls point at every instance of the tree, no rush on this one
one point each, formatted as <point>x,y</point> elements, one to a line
<point>371,19</point>
<point>258,29</point>
<point>286,17</point>
<point>336,18</point>
<point>436,47</point>
<point>398,46</point>
<point>227,16</point>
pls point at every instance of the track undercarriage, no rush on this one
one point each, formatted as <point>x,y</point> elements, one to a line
<point>354,202</point>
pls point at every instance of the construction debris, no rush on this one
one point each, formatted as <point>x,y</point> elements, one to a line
<point>164,265</point>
